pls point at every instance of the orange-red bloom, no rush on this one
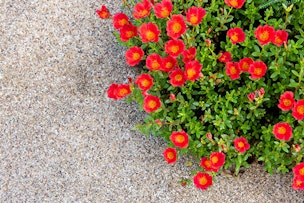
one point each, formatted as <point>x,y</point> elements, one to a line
<point>233,70</point>
<point>134,55</point>
<point>202,180</point>
<point>149,32</point>
<point>225,57</point>
<point>195,15</point>
<point>154,62</point>
<point>286,101</point>
<point>193,70</point>
<point>264,34</point>
<point>245,63</point>
<point>235,3</point>
<point>142,9</point>
<point>177,78</point>
<point>206,164</point>
<point>103,12</point>
<point>151,103</point>
<point>236,35</point>
<point>298,110</point>
<point>241,144</point>
<point>189,54</point>
<point>116,91</point>
<point>282,131</point>
<point>280,37</point>
<point>174,47</point>
<point>298,171</point>
<point>298,184</point>
<point>257,69</point>
<point>180,139</point>
<point>163,9</point>
<point>176,26</point>
<point>168,64</point>
<point>144,81</point>
<point>217,160</point>
<point>120,20</point>
<point>170,155</point>
<point>127,32</point>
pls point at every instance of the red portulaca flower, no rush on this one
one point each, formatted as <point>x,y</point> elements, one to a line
<point>298,171</point>
<point>144,81</point>
<point>170,155</point>
<point>235,3</point>
<point>286,101</point>
<point>257,69</point>
<point>202,180</point>
<point>282,131</point>
<point>206,164</point>
<point>149,32</point>
<point>244,64</point>
<point>174,47</point>
<point>176,26</point>
<point>264,34</point>
<point>142,9</point>
<point>154,62</point>
<point>134,55</point>
<point>225,57</point>
<point>103,12</point>
<point>168,64</point>
<point>298,184</point>
<point>189,54</point>
<point>233,70</point>
<point>120,20</point>
<point>236,35</point>
<point>151,103</point>
<point>116,91</point>
<point>163,9</point>
<point>177,78</point>
<point>241,144</point>
<point>127,32</point>
<point>298,110</point>
<point>217,160</point>
<point>280,37</point>
<point>195,15</point>
<point>251,96</point>
<point>180,139</point>
<point>193,70</point>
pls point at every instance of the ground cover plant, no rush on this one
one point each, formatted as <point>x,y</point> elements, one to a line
<point>220,80</point>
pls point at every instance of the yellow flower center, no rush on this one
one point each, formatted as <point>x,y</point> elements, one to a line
<point>193,19</point>
<point>170,155</point>
<point>234,37</point>
<point>234,3</point>
<point>145,83</point>
<point>174,49</point>
<point>136,56</point>
<point>191,73</point>
<point>278,40</point>
<point>176,27</point>
<point>123,92</point>
<point>203,180</point>
<point>152,104</point>
<point>300,109</point>
<point>281,130</point>
<point>129,34</point>
<point>233,70</point>
<point>298,182</point>
<point>150,35</point>
<point>178,77</point>
<point>164,12</point>
<point>264,35</point>
<point>287,102</point>
<point>257,71</point>
<point>122,22</point>
<point>168,65</point>
<point>241,144</point>
<point>245,66</point>
<point>207,163</point>
<point>214,159</point>
<point>143,13</point>
<point>180,138</point>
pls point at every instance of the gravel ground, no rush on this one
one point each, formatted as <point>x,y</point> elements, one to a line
<point>63,140</point>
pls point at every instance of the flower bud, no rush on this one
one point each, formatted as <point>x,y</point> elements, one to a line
<point>158,122</point>
<point>209,136</point>
<point>172,97</point>
<point>208,42</point>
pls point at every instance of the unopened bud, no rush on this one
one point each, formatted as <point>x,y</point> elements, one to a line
<point>208,42</point>
<point>172,97</point>
<point>158,122</point>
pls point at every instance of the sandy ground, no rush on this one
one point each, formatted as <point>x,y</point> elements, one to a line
<point>63,140</point>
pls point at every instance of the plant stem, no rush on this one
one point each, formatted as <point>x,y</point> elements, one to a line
<point>224,21</point>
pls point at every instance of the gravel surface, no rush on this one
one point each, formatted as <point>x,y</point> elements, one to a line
<point>63,140</point>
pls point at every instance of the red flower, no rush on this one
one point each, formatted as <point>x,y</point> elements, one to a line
<point>235,3</point>
<point>286,101</point>
<point>170,155</point>
<point>142,9</point>
<point>151,103</point>
<point>236,35</point>
<point>241,144</point>
<point>202,180</point>
<point>119,20</point>
<point>127,32</point>
<point>177,78</point>
<point>153,62</point>
<point>245,63</point>
<point>264,34</point>
<point>189,55</point>
<point>149,32</point>
<point>225,57</point>
<point>206,164</point>
<point>195,15</point>
<point>144,81</point>
<point>176,26</point>
<point>298,110</point>
<point>251,96</point>
<point>280,37</point>
<point>116,91</point>
<point>112,91</point>
<point>282,131</point>
<point>174,47</point>
<point>103,12</point>
<point>193,70</point>
<point>134,55</point>
<point>168,64</point>
<point>257,69</point>
<point>298,171</point>
<point>233,70</point>
<point>217,160</point>
<point>298,184</point>
<point>163,9</point>
<point>180,139</point>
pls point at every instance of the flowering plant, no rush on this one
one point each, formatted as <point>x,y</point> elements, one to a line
<point>221,80</point>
